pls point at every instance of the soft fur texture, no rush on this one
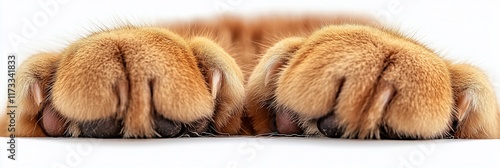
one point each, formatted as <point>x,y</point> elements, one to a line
<point>339,76</point>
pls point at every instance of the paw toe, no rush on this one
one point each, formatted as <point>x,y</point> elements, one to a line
<point>166,128</point>
<point>52,123</point>
<point>329,127</point>
<point>104,128</point>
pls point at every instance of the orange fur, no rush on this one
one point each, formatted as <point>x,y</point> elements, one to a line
<point>346,74</point>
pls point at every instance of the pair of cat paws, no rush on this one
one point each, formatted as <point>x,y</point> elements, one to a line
<point>349,81</point>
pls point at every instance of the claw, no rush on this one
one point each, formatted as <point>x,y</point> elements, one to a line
<point>463,106</point>
<point>215,82</point>
<point>37,93</point>
<point>381,98</point>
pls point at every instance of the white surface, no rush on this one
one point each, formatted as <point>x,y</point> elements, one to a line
<point>466,31</point>
<point>253,152</point>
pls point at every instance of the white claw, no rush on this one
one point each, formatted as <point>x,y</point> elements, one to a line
<point>215,82</point>
<point>271,71</point>
<point>463,106</point>
<point>37,93</point>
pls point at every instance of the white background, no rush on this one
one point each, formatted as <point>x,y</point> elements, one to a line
<point>465,31</point>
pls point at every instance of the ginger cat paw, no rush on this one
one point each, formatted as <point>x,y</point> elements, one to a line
<point>131,82</point>
<point>356,81</point>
